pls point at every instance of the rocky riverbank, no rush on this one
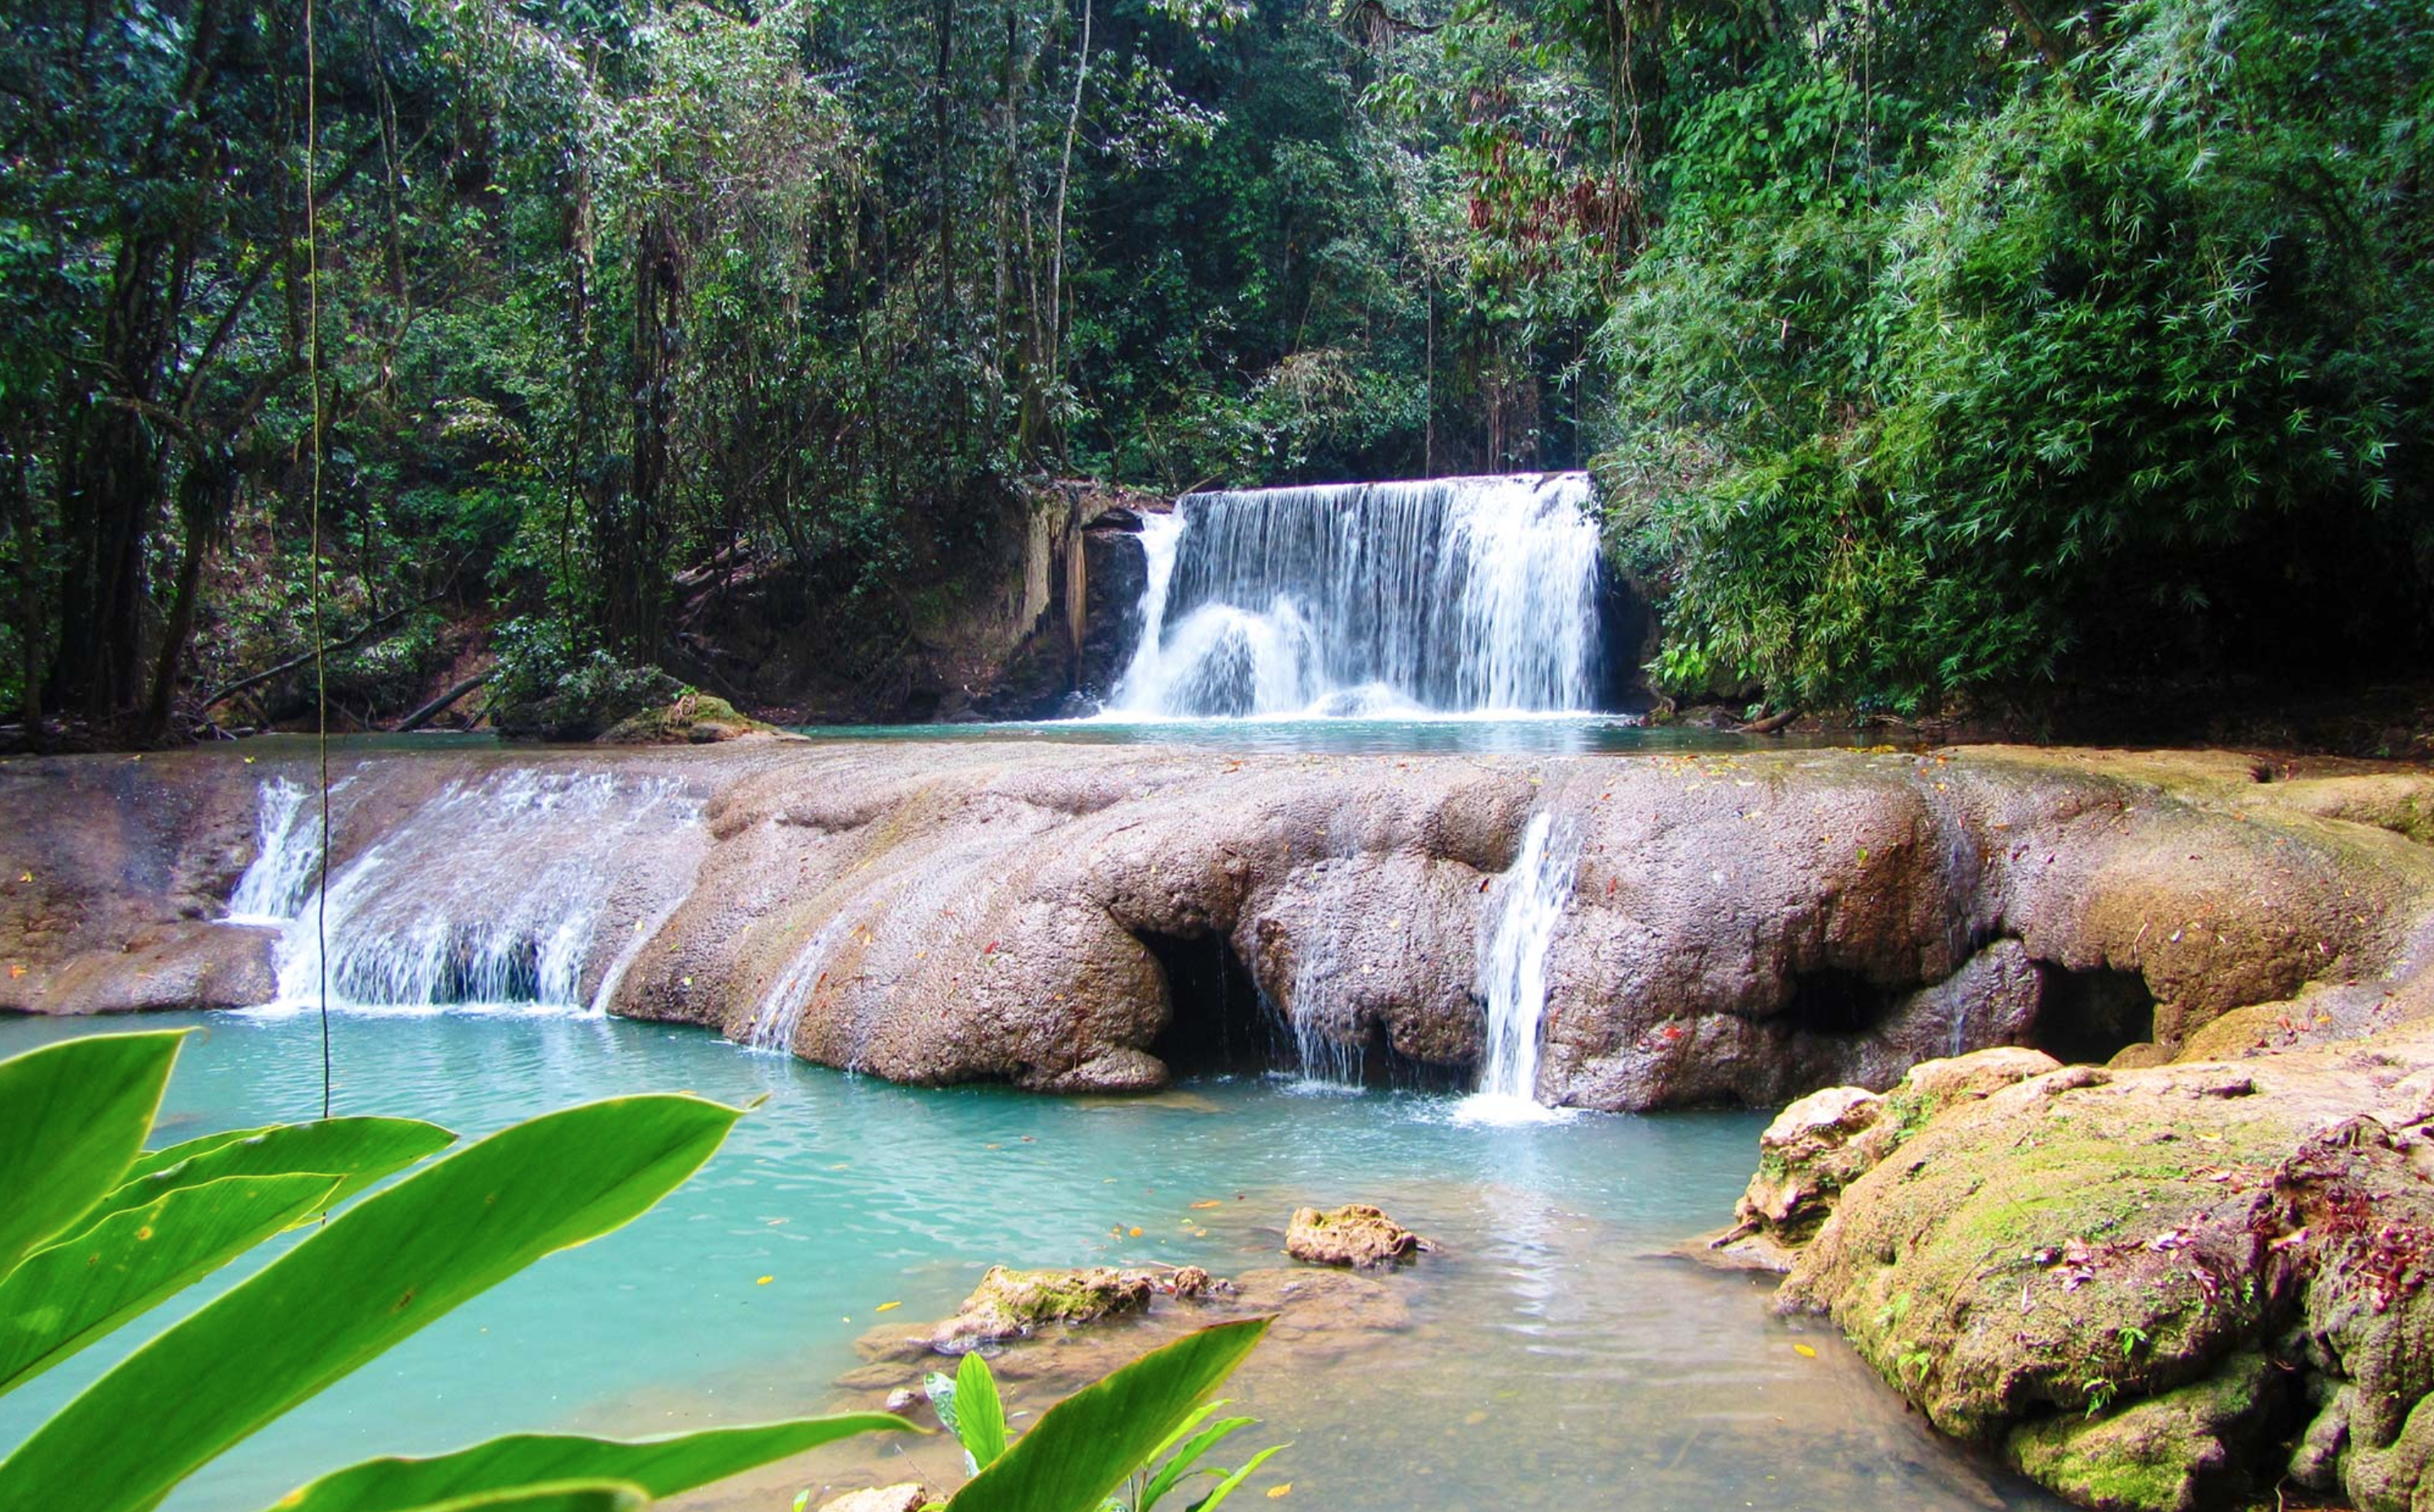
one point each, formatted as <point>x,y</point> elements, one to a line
<point>2154,1289</point>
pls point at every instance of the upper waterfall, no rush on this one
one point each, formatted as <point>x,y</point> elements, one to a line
<point>1454,595</point>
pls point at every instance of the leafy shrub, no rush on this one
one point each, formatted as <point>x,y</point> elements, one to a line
<point>2124,367</point>
<point>545,688</point>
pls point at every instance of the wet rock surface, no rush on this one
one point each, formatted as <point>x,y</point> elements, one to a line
<point>1355,1235</point>
<point>1745,927</point>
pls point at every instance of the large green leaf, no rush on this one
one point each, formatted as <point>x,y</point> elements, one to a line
<point>563,1496</point>
<point>1084,1446</point>
<point>72,1116</point>
<point>395,1261</point>
<point>61,1297</point>
<point>156,1160</point>
<point>359,1150</point>
<point>662,1467</point>
<point>980,1415</point>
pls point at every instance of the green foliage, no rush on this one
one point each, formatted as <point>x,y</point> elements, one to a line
<point>72,1118</point>
<point>2105,369</point>
<point>1925,351</point>
<point>655,1467</point>
<point>544,688</point>
<point>1089,1445</point>
<point>104,1231</point>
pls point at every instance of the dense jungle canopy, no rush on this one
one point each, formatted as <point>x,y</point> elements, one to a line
<point>1924,351</point>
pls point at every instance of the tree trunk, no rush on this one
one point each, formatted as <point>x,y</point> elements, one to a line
<point>633,609</point>
<point>203,499</point>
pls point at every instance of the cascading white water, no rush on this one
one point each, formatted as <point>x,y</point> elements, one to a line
<point>781,1013</point>
<point>494,892</point>
<point>1528,901</point>
<point>287,850</point>
<point>1454,595</point>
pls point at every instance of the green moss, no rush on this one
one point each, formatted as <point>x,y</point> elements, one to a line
<point>2167,1454</point>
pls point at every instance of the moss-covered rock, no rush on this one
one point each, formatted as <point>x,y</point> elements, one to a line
<point>2174,1453</point>
<point>1353,1234</point>
<point>692,718</point>
<point>2149,1287</point>
<point>1830,1139</point>
<point>1014,1304</point>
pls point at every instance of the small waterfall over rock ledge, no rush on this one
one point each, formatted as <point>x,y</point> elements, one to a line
<point>1528,901</point>
<point>1454,595</point>
<point>514,889</point>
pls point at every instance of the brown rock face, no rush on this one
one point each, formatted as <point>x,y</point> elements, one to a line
<point>1745,927</point>
<point>1354,1234</point>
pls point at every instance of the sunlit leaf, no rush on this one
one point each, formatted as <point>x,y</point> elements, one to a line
<point>1084,1446</point>
<point>395,1261</point>
<point>72,1118</point>
<point>63,1297</point>
<point>659,1467</point>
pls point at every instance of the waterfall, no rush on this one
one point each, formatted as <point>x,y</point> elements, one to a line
<point>287,849</point>
<point>1528,901</point>
<point>781,1013</point>
<point>1457,595</point>
<point>497,891</point>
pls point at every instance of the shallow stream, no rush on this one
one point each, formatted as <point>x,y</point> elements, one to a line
<point>1554,1358</point>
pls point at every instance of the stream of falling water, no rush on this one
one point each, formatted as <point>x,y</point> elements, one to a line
<point>1513,971</point>
<point>1453,595</point>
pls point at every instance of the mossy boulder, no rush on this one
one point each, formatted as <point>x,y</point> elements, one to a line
<point>1812,1151</point>
<point>537,697</point>
<point>1830,1139</point>
<point>1016,1303</point>
<point>2173,1453</point>
<point>692,718</point>
<point>1354,1234</point>
<point>2153,1288</point>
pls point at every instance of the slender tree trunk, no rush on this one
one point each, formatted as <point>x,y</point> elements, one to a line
<point>658,288</point>
<point>1055,364</point>
<point>30,619</point>
<point>204,495</point>
<point>942,150</point>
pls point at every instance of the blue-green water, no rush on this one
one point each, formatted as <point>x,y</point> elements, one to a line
<point>1553,1361</point>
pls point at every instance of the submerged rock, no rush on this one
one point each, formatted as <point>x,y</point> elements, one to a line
<point>1354,1234</point>
<point>1017,1304</point>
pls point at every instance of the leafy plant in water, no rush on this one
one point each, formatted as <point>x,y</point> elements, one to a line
<point>94,1229</point>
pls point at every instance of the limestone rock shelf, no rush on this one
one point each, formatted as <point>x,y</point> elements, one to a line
<point>1746,926</point>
